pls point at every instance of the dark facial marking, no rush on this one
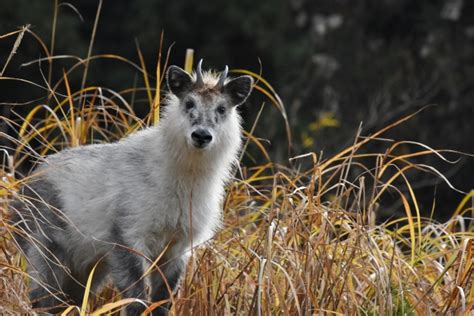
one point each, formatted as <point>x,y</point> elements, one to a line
<point>221,109</point>
<point>190,105</point>
<point>196,119</point>
<point>207,95</point>
<point>201,108</point>
<point>220,112</point>
<point>190,108</point>
<point>211,121</point>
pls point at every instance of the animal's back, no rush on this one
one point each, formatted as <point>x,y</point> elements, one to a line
<point>88,182</point>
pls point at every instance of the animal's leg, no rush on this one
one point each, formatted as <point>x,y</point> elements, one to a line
<point>37,224</point>
<point>75,284</point>
<point>74,288</point>
<point>127,271</point>
<point>172,271</point>
<point>47,276</point>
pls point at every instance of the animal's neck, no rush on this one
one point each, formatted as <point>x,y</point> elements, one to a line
<point>176,158</point>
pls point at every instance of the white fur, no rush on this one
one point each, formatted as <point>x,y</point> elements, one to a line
<point>158,189</point>
<point>161,184</point>
<point>184,189</point>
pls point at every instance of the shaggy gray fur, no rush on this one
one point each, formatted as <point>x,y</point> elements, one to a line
<point>124,204</point>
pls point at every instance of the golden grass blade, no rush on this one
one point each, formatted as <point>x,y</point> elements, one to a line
<point>25,139</point>
<point>74,141</point>
<point>156,101</point>
<point>448,266</point>
<point>155,262</point>
<point>273,96</point>
<point>189,60</point>
<point>83,61</point>
<point>113,307</point>
<point>369,138</point>
<point>69,309</point>
<point>145,75</point>
<point>10,34</point>
<point>87,290</point>
<point>252,130</point>
<point>281,108</point>
<point>259,144</point>
<point>468,197</point>
<point>417,208</point>
<point>154,306</point>
<point>411,226</point>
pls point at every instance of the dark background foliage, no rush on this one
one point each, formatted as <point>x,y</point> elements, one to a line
<point>334,63</point>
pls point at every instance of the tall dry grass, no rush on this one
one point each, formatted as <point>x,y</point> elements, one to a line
<point>296,240</point>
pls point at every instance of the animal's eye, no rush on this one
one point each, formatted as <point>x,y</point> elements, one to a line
<point>221,109</point>
<point>190,104</point>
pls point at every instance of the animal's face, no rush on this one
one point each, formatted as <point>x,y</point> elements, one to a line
<point>206,112</point>
<point>206,105</point>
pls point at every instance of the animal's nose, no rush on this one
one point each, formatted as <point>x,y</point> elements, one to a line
<point>201,137</point>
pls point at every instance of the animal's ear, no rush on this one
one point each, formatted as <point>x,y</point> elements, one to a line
<point>239,89</point>
<point>178,80</point>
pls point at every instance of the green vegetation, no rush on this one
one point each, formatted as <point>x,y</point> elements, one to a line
<point>300,238</point>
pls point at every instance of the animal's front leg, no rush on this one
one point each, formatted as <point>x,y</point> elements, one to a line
<point>172,271</point>
<point>46,268</point>
<point>127,271</point>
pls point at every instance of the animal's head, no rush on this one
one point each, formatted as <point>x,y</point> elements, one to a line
<point>204,105</point>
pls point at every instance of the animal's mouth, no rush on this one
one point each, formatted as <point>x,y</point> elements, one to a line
<point>199,145</point>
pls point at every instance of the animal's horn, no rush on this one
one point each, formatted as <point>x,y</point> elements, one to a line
<point>199,80</point>
<point>222,78</point>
